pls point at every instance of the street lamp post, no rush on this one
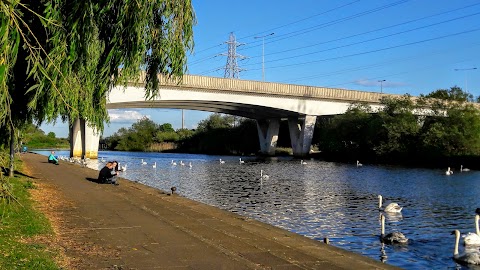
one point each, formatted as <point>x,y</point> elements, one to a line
<point>263,53</point>
<point>466,76</point>
<point>381,85</point>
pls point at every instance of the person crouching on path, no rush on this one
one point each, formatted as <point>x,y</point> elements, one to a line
<point>107,174</point>
<point>52,158</point>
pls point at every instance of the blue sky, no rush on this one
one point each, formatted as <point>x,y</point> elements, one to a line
<point>416,46</point>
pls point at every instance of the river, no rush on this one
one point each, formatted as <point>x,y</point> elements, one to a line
<point>324,199</point>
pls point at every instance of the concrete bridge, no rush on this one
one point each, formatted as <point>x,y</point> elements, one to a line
<point>268,103</point>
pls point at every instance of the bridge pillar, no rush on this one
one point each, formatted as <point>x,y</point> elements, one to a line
<point>301,134</point>
<point>268,135</point>
<point>84,140</point>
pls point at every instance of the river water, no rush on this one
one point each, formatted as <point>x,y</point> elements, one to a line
<point>324,199</point>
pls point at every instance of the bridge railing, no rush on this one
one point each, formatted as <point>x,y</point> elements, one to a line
<point>269,88</point>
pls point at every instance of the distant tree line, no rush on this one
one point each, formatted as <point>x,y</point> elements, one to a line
<point>218,134</point>
<point>438,129</point>
<point>35,138</point>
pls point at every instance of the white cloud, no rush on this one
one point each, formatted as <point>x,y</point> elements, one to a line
<point>125,116</point>
<point>367,82</point>
<point>364,82</point>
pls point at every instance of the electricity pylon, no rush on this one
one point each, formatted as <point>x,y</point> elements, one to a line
<point>231,68</point>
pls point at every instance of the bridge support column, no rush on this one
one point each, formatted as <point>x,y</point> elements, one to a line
<point>84,140</point>
<point>268,135</point>
<point>301,134</point>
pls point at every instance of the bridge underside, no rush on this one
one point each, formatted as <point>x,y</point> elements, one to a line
<point>244,110</point>
<point>268,123</point>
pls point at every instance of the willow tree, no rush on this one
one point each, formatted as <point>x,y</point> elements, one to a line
<point>60,58</point>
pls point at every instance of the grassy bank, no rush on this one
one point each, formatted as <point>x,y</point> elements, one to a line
<point>23,230</point>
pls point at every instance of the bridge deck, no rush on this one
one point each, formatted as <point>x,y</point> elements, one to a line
<point>269,88</point>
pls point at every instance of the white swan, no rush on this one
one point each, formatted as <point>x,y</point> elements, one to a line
<point>263,176</point>
<point>103,160</point>
<point>448,171</point>
<point>222,161</point>
<point>190,165</point>
<point>470,257</point>
<point>392,207</point>
<point>359,164</point>
<point>393,237</point>
<point>181,163</point>
<point>241,161</point>
<point>174,163</point>
<point>143,162</point>
<point>124,168</point>
<point>154,165</point>
<point>473,239</point>
<point>462,169</point>
<point>303,162</point>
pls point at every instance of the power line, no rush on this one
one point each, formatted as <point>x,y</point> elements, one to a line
<point>438,14</point>
<point>377,50</point>
<point>285,25</point>
<point>330,23</point>
<point>390,75</point>
<point>372,31</point>
<point>318,26</point>
<point>367,32</point>
<point>372,39</point>
<point>301,20</point>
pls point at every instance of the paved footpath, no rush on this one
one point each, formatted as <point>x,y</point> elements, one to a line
<point>132,226</point>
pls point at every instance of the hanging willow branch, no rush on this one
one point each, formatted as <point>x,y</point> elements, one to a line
<point>72,51</point>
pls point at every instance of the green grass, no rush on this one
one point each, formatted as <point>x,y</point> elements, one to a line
<point>19,223</point>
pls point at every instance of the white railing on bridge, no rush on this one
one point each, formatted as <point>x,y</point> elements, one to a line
<point>269,88</point>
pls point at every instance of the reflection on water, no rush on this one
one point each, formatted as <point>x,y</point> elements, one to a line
<point>325,199</point>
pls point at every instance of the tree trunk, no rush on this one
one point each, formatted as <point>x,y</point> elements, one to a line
<point>12,151</point>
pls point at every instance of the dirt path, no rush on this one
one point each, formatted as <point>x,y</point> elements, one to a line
<point>132,226</point>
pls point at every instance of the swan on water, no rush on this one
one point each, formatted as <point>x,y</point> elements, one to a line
<point>470,257</point>
<point>462,169</point>
<point>124,168</point>
<point>222,161</point>
<point>448,171</point>
<point>241,161</point>
<point>190,165</point>
<point>154,165</point>
<point>391,207</point>
<point>181,163</point>
<point>263,176</point>
<point>473,239</point>
<point>359,164</point>
<point>303,162</point>
<point>174,163</point>
<point>143,162</point>
<point>393,237</point>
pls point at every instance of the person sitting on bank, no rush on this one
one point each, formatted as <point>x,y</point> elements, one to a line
<point>107,174</point>
<point>52,158</point>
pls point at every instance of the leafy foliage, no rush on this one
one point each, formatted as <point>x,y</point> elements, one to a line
<point>141,135</point>
<point>431,129</point>
<point>60,58</point>
<point>215,135</point>
<point>223,134</point>
<point>215,121</point>
<point>35,138</point>
<point>455,93</point>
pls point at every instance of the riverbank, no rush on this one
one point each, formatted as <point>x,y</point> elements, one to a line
<point>132,226</point>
